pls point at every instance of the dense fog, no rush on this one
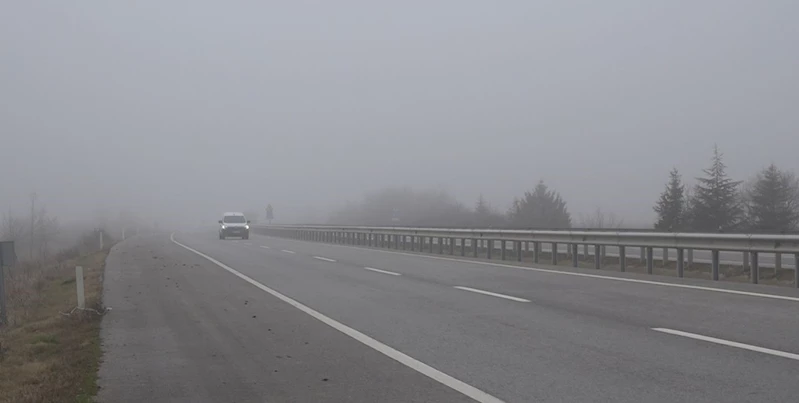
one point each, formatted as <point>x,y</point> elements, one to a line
<point>173,112</point>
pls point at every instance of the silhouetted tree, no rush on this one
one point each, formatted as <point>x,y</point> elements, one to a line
<point>541,208</point>
<point>485,215</point>
<point>716,205</point>
<point>671,205</point>
<point>772,201</point>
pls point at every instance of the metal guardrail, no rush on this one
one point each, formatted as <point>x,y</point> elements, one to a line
<point>410,238</point>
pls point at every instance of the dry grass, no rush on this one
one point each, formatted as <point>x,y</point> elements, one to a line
<point>46,356</point>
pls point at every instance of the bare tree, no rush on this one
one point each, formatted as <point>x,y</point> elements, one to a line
<point>600,220</point>
<point>47,227</point>
<point>13,227</point>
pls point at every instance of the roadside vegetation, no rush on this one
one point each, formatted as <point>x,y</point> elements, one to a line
<point>50,352</point>
<point>768,202</point>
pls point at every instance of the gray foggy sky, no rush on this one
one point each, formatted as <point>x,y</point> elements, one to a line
<point>195,107</point>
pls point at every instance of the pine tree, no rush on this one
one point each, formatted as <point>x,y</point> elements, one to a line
<point>671,205</point>
<point>773,201</point>
<point>716,205</point>
<point>541,208</point>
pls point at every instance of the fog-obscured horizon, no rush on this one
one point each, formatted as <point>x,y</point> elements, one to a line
<point>178,111</point>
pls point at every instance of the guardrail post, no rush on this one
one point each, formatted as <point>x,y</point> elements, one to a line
<point>755,267</point>
<point>649,260</point>
<point>554,253</point>
<point>440,245</point>
<point>463,246</point>
<point>474,247</point>
<point>714,269</point>
<point>622,259</point>
<point>680,263</point>
<point>536,251</point>
<point>665,256</point>
<point>503,245</point>
<point>575,255</point>
<point>526,247</point>
<point>585,251</point>
<point>777,265</point>
<point>489,246</point>
<point>396,241</point>
<point>643,255</point>
<point>519,251</point>
<point>796,270</point>
<point>746,261</point>
<point>690,253</point>
<point>451,246</point>
<point>597,257</point>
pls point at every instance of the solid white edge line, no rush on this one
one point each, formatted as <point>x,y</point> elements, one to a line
<point>493,294</point>
<point>390,352</point>
<point>568,273</point>
<point>324,258</point>
<point>750,347</point>
<point>264,246</point>
<point>382,271</point>
<point>288,251</point>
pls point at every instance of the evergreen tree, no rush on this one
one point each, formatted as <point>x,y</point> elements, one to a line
<point>671,205</point>
<point>541,208</point>
<point>716,205</point>
<point>481,209</point>
<point>773,201</point>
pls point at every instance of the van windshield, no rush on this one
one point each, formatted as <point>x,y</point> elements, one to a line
<point>234,219</point>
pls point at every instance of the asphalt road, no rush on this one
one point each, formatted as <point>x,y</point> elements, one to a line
<point>269,319</point>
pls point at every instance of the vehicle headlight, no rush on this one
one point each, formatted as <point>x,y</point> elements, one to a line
<point>223,227</point>
<point>247,226</point>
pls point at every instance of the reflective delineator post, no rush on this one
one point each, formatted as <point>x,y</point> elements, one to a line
<point>79,283</point>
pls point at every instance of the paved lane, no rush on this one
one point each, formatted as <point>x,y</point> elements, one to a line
<point>183,330</point>
<point>578,339</point>
<point>517,335</point>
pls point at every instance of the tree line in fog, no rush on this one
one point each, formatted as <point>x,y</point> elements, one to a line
<point>766,202</point>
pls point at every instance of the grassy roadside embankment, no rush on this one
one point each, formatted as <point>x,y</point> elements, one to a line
<point>48,354</point>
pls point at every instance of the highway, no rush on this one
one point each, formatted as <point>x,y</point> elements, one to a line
<point>198,319</point>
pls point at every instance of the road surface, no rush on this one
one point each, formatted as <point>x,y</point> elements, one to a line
<point>267,319</point>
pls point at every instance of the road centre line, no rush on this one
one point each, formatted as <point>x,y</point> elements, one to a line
<point>749,347</point>
<point>493,294</point>
<point>382,271</point>
<point>568,273</point>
